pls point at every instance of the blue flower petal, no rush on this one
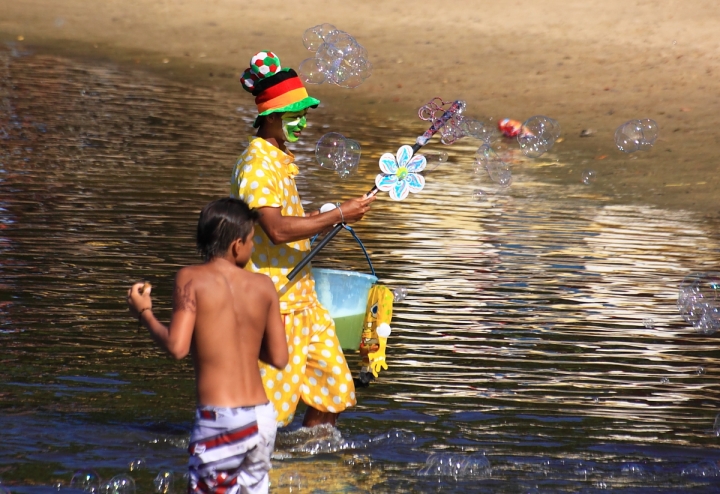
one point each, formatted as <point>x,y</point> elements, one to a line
<point>385,182</point>
<point>388,164</point>
<point>415,182</point>
<point>417,163</point>
<point>400,191</point>
<point>403,155</point>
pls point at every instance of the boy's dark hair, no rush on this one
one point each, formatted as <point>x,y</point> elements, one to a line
<point>221,223</point>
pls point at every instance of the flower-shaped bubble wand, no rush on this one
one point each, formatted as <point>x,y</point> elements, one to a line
<point>401,172</point>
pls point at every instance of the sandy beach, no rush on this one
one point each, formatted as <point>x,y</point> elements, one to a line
<point>591,66</point>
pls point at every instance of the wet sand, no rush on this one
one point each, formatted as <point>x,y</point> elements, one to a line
<point>588,66</point>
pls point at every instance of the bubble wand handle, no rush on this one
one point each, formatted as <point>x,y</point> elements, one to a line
<point>420,142</point>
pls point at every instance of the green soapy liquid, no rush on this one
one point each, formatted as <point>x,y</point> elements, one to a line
<point>349,330</point>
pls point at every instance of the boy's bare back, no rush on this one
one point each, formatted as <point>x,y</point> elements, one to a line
<point>230,318</point>
<point>233,309</point>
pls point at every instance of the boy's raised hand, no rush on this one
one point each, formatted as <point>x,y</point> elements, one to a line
<point>138,298</point>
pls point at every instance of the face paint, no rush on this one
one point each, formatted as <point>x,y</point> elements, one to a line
<point>292,125</point>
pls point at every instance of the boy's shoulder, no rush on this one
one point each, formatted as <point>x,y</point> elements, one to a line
<point>191,271</point>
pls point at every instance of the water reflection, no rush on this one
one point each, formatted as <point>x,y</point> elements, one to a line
<point>522,336</point>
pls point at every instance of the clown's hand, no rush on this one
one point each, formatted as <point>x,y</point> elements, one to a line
<point>377,359</point>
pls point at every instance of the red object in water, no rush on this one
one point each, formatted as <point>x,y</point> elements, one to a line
<point>509,128</point>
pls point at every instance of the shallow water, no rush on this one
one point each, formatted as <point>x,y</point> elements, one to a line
<point>540,327</point>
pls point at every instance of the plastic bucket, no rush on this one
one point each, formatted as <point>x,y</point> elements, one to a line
<point>344,294</point>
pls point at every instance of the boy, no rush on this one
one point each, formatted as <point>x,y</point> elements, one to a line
<point>264,178</point>
<point>230,319</point>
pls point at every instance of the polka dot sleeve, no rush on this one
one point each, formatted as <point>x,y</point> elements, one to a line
<point>257,181</point>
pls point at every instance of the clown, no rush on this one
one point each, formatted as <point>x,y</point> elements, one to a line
<point>264,177</point>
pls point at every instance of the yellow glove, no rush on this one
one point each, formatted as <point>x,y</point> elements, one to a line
<point>377,359</point>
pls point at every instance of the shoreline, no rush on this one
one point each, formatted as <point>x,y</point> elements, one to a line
<point>583,78</point>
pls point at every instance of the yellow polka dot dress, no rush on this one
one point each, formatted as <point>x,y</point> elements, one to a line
<point>317,371</point>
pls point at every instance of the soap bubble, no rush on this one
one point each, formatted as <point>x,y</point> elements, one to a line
<point>588,177</point>
<point>329,55</point>
<point>399,293</point>
<point>291,481</point>
<point>699,303</point>
<point>538,135</point>
<point>335,152</point>
<point>122,484</point>
<point>665,380</point>
<point>474,465</point>
<point>351,159</point>
<point>478,194</point>
<point>700,371</point>
<point>716,425</point>
<point>337,36</point>
<point>137,464</point>
<point>313,71</point>
<point>330,150</point>
<point>85,480</point>
<point>314,37</point>
<point>394,437</point>
<point>474,128</point>
<point>636,135</point>
<point>434,160</point>
<point>163,481</point>
<point>648,323</point>
<point>452,130</point>
<point>498,170</point>
<point>471,127</point>
<point>346,45</point>
<point>339,59</point>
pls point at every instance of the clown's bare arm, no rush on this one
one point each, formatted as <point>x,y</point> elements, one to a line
<point>283,229</point>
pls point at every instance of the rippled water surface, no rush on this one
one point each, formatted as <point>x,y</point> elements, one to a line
<point>540,328</point>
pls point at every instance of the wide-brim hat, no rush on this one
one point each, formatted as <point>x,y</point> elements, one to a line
<point>275,89</point>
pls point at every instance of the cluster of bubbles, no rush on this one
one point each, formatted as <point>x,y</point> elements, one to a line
<point>337,153</point>
<point>698,301</point>
<point>636,135</point>
<point>458,125</point>
<point>538,135</point>
<point>339,59</point>
<point>474,465</point>
<point>487,160</point>
<point>90,481</point>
